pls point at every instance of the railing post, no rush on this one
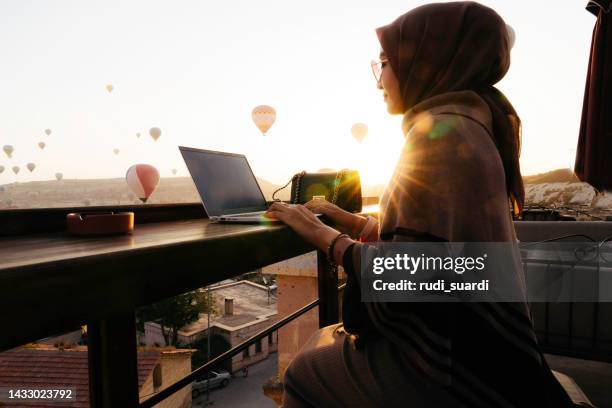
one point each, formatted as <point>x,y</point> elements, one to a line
<point>113,369</point>
<point>328,291</point>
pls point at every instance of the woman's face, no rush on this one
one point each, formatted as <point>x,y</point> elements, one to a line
<point>391,89</point>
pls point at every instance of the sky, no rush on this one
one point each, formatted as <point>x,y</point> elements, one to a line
<point>196,69</point>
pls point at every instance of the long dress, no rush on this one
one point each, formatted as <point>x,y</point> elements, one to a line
<point>448,185</point>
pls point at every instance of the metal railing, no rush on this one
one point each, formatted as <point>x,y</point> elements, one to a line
<point>574,328</point>
<point>188,379</point>
<point>594,348</point>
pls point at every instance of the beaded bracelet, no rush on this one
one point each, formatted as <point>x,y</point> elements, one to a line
<point>330,248</point>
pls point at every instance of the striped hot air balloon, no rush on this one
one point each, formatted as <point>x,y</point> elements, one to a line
<point>263,116</point>
<point>142,179</point>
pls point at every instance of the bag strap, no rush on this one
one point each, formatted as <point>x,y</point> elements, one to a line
<point>298,186</point>
<point>299,181</point>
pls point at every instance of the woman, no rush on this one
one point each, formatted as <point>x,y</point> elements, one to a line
<point>457,179</point>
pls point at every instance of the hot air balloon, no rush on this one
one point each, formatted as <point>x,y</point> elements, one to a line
<point>155,133</point>
<point>48,132</point>
<point>9,202</point>
<point>359,131</point>
<point>87,202</point>
<point>116,151</point>
<point>41,145</point>
<point>138,134</point>
<point>263,117</point>
<point>109,88</point>
<point>142,180</point>
<point>59,176</point>
<point>1,169</point>
<point>8,149</point>
<point>174,171</point>
<point>31,166</point>
<point>15,169</point>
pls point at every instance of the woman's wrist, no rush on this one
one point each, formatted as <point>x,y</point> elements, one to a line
<point>365,233</point>
<point>340,248</point>
<point>347,222</point>
<point>327,236</point>
<point>358,225</point>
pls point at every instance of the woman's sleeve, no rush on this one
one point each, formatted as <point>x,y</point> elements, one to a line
<point>354,313</point>
<point>347,259</point>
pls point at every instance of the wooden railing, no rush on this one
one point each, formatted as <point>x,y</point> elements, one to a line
<point>51,282</point>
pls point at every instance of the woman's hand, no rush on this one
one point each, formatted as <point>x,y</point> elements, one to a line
<point>348,222</point>
<point>304,222</point>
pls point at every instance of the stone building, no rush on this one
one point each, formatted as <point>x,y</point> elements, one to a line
<point>242,309</point>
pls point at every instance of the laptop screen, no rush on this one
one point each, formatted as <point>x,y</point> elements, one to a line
<point>225,182</point>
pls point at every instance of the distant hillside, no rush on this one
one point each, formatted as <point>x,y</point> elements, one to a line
<point>75,192</point>
<point>561,188</point>
<point>554,176</point>
<point>556,188</point>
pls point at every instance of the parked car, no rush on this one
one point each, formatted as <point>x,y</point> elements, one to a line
<point>215,379</point>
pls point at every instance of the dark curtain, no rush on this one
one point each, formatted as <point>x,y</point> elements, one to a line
<point>594,153</point>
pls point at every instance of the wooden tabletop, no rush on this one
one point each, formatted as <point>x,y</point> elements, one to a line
<point>42,249</point>
<point>53,282</point>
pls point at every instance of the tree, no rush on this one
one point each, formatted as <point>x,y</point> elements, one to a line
<point>175,312</point>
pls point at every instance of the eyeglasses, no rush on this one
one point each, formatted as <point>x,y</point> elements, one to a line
<point>377,67</point>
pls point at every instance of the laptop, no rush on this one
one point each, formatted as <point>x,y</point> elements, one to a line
<point>227,186</point>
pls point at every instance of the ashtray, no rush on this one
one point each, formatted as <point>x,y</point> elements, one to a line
<point>100,223</point>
